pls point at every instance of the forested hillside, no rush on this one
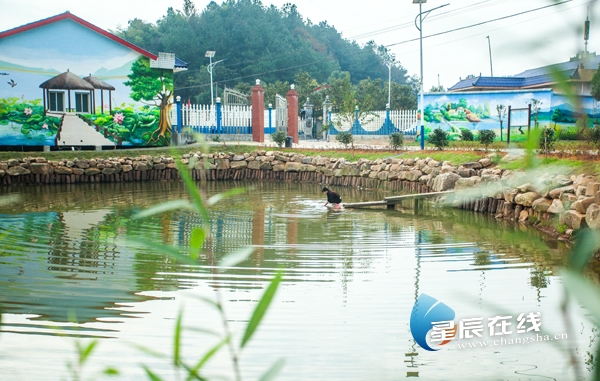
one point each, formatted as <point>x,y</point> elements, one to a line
<point>275,45</point>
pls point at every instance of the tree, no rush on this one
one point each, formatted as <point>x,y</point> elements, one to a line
<point>557,116</point>
<point>345,138</point>
<point>396,140</point>
<point>486,137</point>
<point>437,89</point>
<point>466,135</point>
<point>536,106</point>
<point>154,85</point>
<point>501,110</point>
<point>438,138</point>
<point>279,138</point>
<point>547,138</point>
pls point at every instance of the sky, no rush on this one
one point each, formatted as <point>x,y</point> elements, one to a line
<point>517,43</point>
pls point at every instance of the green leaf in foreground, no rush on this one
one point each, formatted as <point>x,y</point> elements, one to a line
<point>207,356</point>
<point>164,207</point>
<point>586,245</point>
<point>177,340</point>
<point>85,351</point>
<point>273,371</point>
<point>236,257</point>
<point>222,196</point>
<point>111,372</point>
<point>151,375</point>
<point>261,309</point>
<point>586,292</point>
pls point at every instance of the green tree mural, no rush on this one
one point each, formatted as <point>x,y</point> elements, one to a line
<point>154,85</point>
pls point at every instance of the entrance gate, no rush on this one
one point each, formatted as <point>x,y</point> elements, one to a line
<point>281,114</point>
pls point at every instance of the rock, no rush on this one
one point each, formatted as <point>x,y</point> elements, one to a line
<point>561,181</point>
<point>524,215</point>
<point>568,199</point>
<point>82,164</point>
<point>581,206</point>
<point>592,188</point>
<point>528,187</point>
<point>473,165</point>
<point>465,172</point>
<point>558,192</point>
<point>40,168</point>
<point>556,207</point>
<point>278,167</point>
<point>110,171</point>
<point>573,219</point>
<point>383,175</point>
<point>156,166</point>
<point>124,168</point>
<point>413,175</point>
<point>139,166</point>
<point>222,164</point>
<point>78,171</point>
<point>580,191</point>
<point>62,170</point>
<point>427,170</point>
<point>485,162</point>
<point>445,181</point>
<point>526,199</point>
<point>238,158</point>
<point>41,160</point>
<point>12,163</point>
<point>509,195</point>
<point>467,183</point>
<point>541,205</point>
<point>238,164</point>
<point>254,164</point>
<point>91,171</point>
<point>266,166</point>
<point>17,171</point>
<point>306,160</point>
<point>592,216</point>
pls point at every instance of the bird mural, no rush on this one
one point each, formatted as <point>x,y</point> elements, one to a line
<point>12,83</point>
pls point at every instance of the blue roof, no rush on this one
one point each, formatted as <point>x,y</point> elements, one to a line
<point>179,63</point>
<point>531,77</point>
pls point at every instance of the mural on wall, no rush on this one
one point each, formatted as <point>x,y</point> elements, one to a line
<point>106,79</point>
<point>478,110</point>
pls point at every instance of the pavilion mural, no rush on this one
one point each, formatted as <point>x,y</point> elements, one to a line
<point>106,81</point>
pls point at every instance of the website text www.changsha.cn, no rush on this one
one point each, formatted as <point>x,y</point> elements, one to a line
<point>512,341</point>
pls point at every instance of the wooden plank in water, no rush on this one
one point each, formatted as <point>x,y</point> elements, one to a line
<point>396,199</point>
<point>365,204</point>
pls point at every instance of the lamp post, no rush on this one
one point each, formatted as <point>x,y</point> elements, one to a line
<point>421,91</point>
<point>490,48</point>
<point>389,65</point>
<point>210,54</point>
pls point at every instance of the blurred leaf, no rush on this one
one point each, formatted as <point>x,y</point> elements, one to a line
<point>164,207</point>
<point>193,191</point>
<point>261,309</point>
<point>151,376</point>
<point>177,340</point>
<point>202,330</point>
<point>197,240</point>
<point>208,301</point>
<point>585,291</point>
<point>274,371</point>
<point>232,259</point>
<point>208,355</point>
<point>588,241</point>
<point>111,372</point>
<point>221,196</point>
<point>149,351</point>
<point>170,251</point>
<point>85,352</point>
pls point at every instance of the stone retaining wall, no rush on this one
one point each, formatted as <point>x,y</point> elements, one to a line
<point>482,188</point>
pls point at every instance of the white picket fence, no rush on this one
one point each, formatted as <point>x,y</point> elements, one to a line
<point>374,122</point>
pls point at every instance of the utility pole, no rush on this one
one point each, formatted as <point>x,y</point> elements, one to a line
<point>490,47</point>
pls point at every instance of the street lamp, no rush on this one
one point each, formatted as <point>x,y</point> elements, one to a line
<point>421,90</point>
<point>210,54</point>
<point>389,65</point>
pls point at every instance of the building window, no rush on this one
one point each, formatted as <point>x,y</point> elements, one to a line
<point>57,101</point>
<point>82,102</point>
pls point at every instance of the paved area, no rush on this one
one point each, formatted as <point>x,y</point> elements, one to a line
<point>75,132</point>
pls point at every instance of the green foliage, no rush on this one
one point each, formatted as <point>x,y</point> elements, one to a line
<point>547,139</point>
<point>345,138</point>
<point>438,138</point>
<point>29,116</point>
<point>279,138</point>
<point>134,127</point>
<point>146,82</point>
<point>292,42</point>
<point>466,135</point>
<point>396,140</point>
<point>594,136</point>
<point>216,139</point>
<point>486,137</point>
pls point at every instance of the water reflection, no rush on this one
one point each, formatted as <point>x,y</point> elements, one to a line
<point>351,278</point>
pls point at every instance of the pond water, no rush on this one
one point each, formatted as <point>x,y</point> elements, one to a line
<point>342,312</point>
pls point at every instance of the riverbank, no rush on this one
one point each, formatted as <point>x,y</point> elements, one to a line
<point>556,203</point>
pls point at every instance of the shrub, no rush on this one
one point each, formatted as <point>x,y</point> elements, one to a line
<point>486,137</point>
<point>466,135</point>
<point>279,138</point>
<point>345,138</point>
<point>547,139</point>
<point>594,135</point>
<point>396,140</point>
<point>216,139</point>
<point>438,138</point>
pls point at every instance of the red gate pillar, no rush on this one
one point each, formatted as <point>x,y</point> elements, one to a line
<point>258,113</point>
<point>292,100</point>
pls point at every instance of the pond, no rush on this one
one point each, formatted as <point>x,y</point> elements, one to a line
<point>342,312</point>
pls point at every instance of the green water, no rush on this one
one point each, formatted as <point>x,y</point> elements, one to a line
<point>341,313</point>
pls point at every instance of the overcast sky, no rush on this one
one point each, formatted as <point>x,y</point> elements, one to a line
<point>518,43</point>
